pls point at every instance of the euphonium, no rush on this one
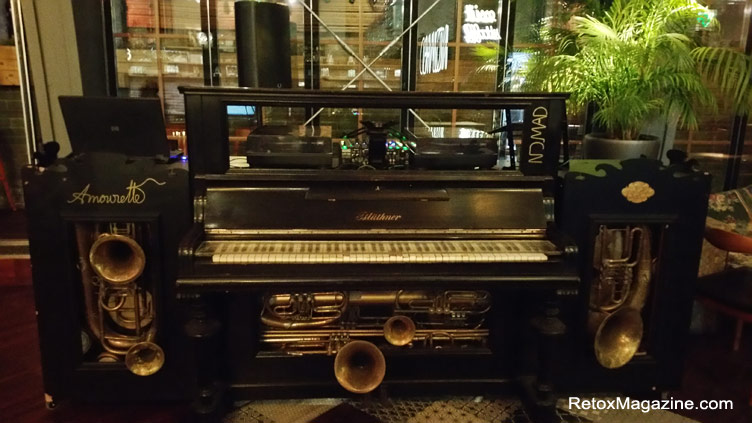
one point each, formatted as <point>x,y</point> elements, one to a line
<point>120,313</point>
<point>615,320</point>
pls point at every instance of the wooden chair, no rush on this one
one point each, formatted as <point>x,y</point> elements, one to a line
<point>730,291</point>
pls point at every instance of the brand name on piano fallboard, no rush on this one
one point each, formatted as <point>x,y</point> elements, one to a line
<point>538,145</point>
<point>134,194</point>
<point>377,217</point>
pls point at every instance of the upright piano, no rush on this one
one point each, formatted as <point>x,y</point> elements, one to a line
<point>373,275</point>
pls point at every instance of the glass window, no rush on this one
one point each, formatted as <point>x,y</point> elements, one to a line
<point>158,47</point>
<point>709,143</point>
<point>457,45</point>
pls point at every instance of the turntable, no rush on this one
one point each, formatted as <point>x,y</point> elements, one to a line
<point>455,148</point>
<point>293,147</point>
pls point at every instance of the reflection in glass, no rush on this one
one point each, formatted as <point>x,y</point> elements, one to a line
<point>345,138</point>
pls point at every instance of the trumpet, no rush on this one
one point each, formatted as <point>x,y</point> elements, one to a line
<point>120,312</point>
<point>348,325</point>
<point>619,293</point>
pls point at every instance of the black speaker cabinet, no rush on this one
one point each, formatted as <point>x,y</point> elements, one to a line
<point>103,237</point>
<point>638,228</point>
<point>263,44</point>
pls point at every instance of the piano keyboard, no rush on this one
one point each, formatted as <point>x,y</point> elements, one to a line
<point>315,252</point>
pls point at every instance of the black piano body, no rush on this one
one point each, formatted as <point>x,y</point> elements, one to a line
<point>247,225</point>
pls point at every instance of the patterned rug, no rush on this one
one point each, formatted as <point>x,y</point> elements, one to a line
<point>425,410</point>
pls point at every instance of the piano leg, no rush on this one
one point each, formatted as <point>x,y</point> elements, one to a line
<point>540,391</point>
<point>203,330</point>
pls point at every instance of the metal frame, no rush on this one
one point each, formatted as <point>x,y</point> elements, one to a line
<point>409,53</point>
<point>25,79</point>
<point>312,65</point>
<point>210,50</point>
<point>738,131</point>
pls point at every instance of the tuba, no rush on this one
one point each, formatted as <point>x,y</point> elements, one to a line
<point>623,261</point>
<point>350,324</point>
<point>120,311</point>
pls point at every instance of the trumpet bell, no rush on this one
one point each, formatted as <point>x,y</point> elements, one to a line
<point>399,330</point>
<point>118,259</point>
<point>144,358</point>
<point>359,367</point>
<point>618,337</point>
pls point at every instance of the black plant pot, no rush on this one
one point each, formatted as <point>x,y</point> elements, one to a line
<point>596,146</point>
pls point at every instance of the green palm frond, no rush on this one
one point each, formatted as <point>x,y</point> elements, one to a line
<point>729,70</point>
<point>640,58</point>
<point>589,26</point>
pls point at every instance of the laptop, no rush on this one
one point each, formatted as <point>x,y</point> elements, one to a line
<point>129,126</point>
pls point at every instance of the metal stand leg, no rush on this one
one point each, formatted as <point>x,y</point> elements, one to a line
<point>204,329</point>
<point>549,330</point>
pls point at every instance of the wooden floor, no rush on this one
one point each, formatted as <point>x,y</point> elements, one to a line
<point>12,224</point>
<point>21,390</point>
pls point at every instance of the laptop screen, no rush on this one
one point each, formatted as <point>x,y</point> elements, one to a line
<point>130,126</point>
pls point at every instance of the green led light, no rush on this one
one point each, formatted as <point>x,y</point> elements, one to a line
<point>404,138</point>
<point>344,147</point>
<point>345,137</point>
<point>404,148</point>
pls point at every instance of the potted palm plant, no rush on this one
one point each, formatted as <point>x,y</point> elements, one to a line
<point>641,60</point>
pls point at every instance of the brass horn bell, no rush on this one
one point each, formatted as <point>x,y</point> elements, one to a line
<point>617,336</point>
<point>359,367</point>
<point>144,358</point>
<point>399,330</point>
<point>118,259</point>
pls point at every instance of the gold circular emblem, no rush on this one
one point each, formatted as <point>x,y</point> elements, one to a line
<point>637,192</point>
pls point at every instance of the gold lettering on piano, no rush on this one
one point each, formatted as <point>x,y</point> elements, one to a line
<point>377,217</point>
<point>134,194</point>
<point>538,146</point>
